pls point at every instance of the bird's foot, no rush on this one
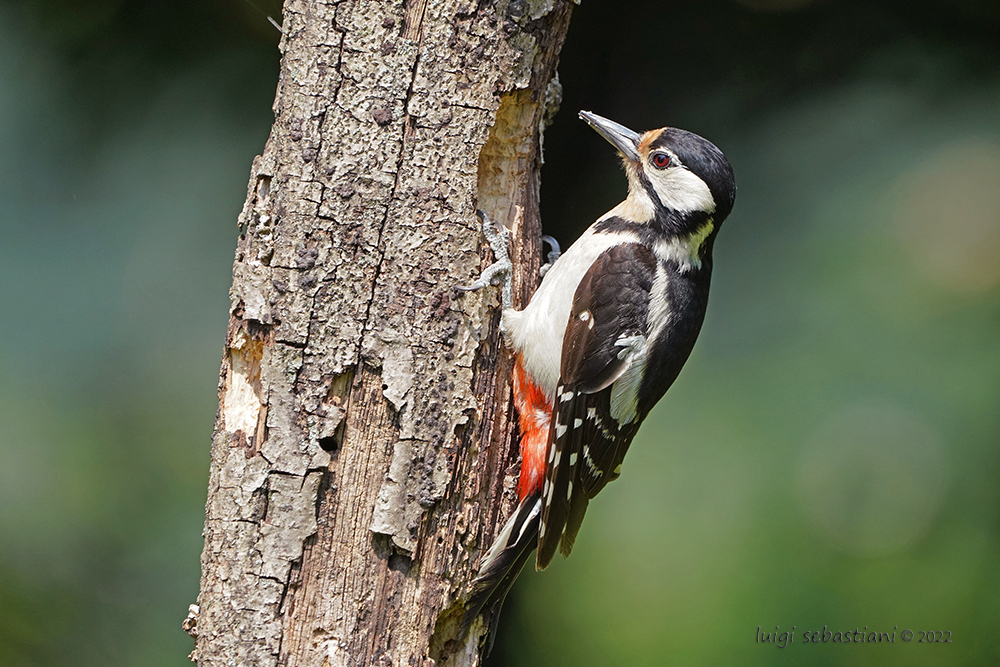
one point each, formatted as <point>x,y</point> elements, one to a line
<point>552,256</point>
<point>500,271</point>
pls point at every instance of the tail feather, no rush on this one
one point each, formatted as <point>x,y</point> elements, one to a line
<point>577,508</point>
<point>502,564</point>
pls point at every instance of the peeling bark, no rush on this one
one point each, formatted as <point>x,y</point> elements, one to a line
<point>363,454</point>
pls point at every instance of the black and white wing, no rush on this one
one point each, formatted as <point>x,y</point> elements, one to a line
<point>595,413</point>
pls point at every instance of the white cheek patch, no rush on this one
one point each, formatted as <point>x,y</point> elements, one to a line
<point>680,190</point>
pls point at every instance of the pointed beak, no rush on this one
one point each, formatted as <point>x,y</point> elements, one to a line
<point>622,138</point>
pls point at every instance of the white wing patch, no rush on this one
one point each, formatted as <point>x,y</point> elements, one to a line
<point>658,315</point>
<point>625,390</point>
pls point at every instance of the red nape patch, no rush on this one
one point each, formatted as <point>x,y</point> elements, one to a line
<point>534,414</point>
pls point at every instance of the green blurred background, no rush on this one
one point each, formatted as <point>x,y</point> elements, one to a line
<point>828,457</point>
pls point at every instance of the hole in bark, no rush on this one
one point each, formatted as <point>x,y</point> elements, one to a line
<point>330,444</point>
<point>446,640</point>
<point>400,563</point>
<point>381,545</point>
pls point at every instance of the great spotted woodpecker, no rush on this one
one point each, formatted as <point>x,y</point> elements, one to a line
<point>602,339</point>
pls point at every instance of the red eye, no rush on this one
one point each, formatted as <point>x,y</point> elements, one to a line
<point>660,160</point>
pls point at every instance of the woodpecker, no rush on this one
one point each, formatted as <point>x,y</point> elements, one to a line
<point>602,338</point>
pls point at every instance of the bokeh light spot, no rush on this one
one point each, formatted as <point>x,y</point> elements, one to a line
<point>872,478</point>
<point>947,216</point>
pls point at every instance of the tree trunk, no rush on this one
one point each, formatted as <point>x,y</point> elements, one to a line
<point>363,455</point>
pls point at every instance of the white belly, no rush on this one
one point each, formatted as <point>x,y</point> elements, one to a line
<point>537,331</point>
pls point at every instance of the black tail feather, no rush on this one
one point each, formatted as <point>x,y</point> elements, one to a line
<point>501,565</point>
<point>577,508</point>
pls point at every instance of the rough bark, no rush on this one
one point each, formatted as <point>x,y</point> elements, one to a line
<point>363,454</point>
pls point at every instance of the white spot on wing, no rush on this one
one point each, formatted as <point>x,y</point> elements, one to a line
<point>560,430</point>
<point>577,423</point>
<point>569,490</point>
<point>572,459</point>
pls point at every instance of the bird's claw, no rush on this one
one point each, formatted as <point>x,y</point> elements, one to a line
<point>500,270</point>
<point>552,256</point>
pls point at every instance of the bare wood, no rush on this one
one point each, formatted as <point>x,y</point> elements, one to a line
<point>364,405</point>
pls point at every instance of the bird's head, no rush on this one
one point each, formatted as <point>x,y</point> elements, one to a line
<point>674,176</point>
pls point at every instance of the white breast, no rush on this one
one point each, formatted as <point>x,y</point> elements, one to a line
<point>537,331</point>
